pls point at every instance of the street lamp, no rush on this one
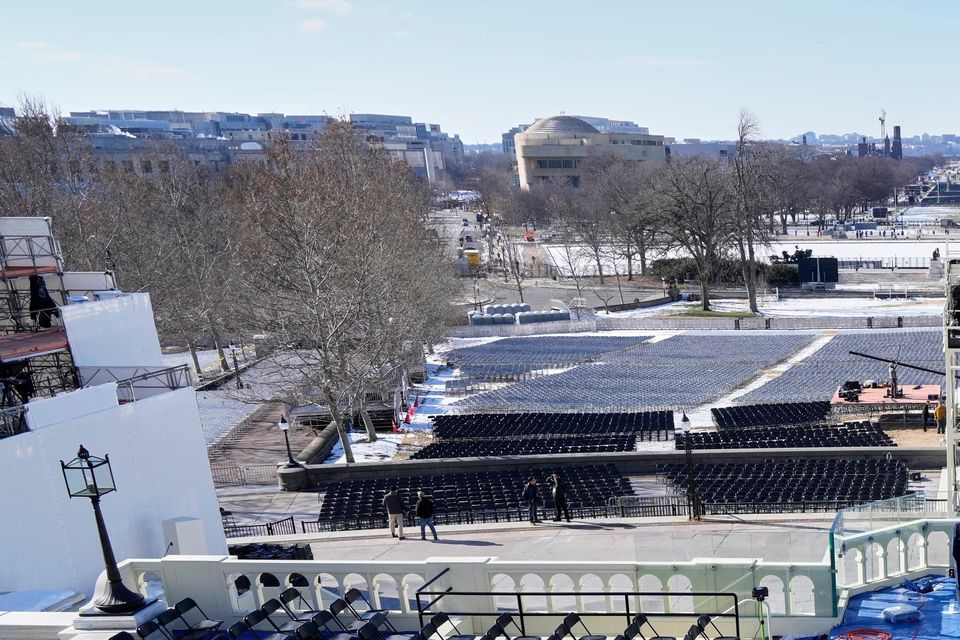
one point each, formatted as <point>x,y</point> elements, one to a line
<point>236,367</point>
<point>87,476</point>
<point>285,427</point>
<point>693,501</point>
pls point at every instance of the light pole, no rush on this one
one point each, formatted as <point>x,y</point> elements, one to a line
<point>285,427</point>
<point>236,367</point>
<point>476,294</point>
<point>87,476</point>
<point>692,501</point>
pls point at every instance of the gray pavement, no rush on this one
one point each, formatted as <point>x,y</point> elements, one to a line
<point>799,538</point>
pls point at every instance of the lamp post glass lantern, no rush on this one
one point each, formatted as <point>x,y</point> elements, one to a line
<point>88,476</point>
<point>693,501</point>
<point>285,427</point>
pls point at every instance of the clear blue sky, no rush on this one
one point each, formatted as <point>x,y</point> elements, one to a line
<point>681,67</point>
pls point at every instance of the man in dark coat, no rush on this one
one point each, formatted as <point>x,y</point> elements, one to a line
<point>531,495</point>
<point>559,488</point>
<point>395,508</point>
<point>425,515</point>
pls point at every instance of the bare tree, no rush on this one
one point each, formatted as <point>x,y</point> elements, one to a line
<point>339,267</point>
<point>750,182</point>
<point>695,205</point>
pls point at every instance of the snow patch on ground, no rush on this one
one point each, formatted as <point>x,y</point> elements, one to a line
<point>363,451</point>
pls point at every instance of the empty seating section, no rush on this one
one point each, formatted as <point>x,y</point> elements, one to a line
<point>777,413</point>
<point>818,376</point>
<point>518,355</point>
<point>501,425</point>
<point>530,446</point>
<point>851,434</point>
<point>483,496</point>
<point>681,371</point>
<point>786,484</point>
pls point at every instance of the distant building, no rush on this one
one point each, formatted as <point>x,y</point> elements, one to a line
<point>694,147</point>
<point>509,143</point>
<point>557,148</point>
<point>606,125</point>
<point>427,149</point>
<point>217,139</point>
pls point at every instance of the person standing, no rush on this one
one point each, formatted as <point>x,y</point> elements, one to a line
<point>926,416</point>
<point>940,415</point>
<point>425,515</point>
<point>531,493</point>
<point>395,508</point>
<point>559,488</point>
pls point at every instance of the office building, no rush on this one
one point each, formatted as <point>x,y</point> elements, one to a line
<point>557,149</point>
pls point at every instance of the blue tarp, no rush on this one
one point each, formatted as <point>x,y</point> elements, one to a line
<point>941,613</point>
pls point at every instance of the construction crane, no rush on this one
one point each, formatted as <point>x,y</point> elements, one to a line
<point>895,391</point>
<point>883,125</point>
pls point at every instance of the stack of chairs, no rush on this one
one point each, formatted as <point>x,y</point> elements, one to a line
<point>528,446</point>
<point>777,413</point>
<point>645,424</point>
<point>783,483</point>
<point>849,434</point>
<point>707,367</point>
<point>482,496</point>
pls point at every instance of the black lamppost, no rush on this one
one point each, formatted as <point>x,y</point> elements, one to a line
<point>285,427</point>
<point>692,500</point>
<point>236,367</point>
<point>87,476</point>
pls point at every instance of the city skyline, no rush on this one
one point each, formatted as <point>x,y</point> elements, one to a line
<point>683,69</point>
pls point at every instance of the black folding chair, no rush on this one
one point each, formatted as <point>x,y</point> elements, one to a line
<point>254,618</point>
<point>353,595</point>
<point>440,619</point>
<point>572,619</point>
<point>369,631</point>
<point>292,594</point>
<point>340,605</point>
<point>704,621</point>
<point>151,630</point>
<point>204,626</point>
<point>269,608</point>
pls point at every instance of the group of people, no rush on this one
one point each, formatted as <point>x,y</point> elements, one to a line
<point>396,508</point>
<point>939,415</point>
<point>531,495</point>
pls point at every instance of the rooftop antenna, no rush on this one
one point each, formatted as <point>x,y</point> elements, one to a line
<point>883,125</point>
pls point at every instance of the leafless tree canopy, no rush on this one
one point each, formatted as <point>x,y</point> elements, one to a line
<point>338,267</point>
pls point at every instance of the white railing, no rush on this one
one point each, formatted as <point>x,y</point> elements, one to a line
<point>227,588</point>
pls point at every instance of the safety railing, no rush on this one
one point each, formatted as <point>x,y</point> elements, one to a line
<point>524,610</point>
<point>12,421</point>
<point>282,527</point>
<point>229,474</point>
<point>150,383</point>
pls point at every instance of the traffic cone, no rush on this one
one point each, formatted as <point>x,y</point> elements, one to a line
<point>406,420</point>
<point>393,425</point>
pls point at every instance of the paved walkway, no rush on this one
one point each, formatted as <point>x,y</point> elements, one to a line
<point>259,440</point>
<point>801,539</point>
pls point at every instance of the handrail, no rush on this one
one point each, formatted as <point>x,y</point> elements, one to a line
<point>627,596</point>
<point>155,374</point>
<point>432,580</point>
